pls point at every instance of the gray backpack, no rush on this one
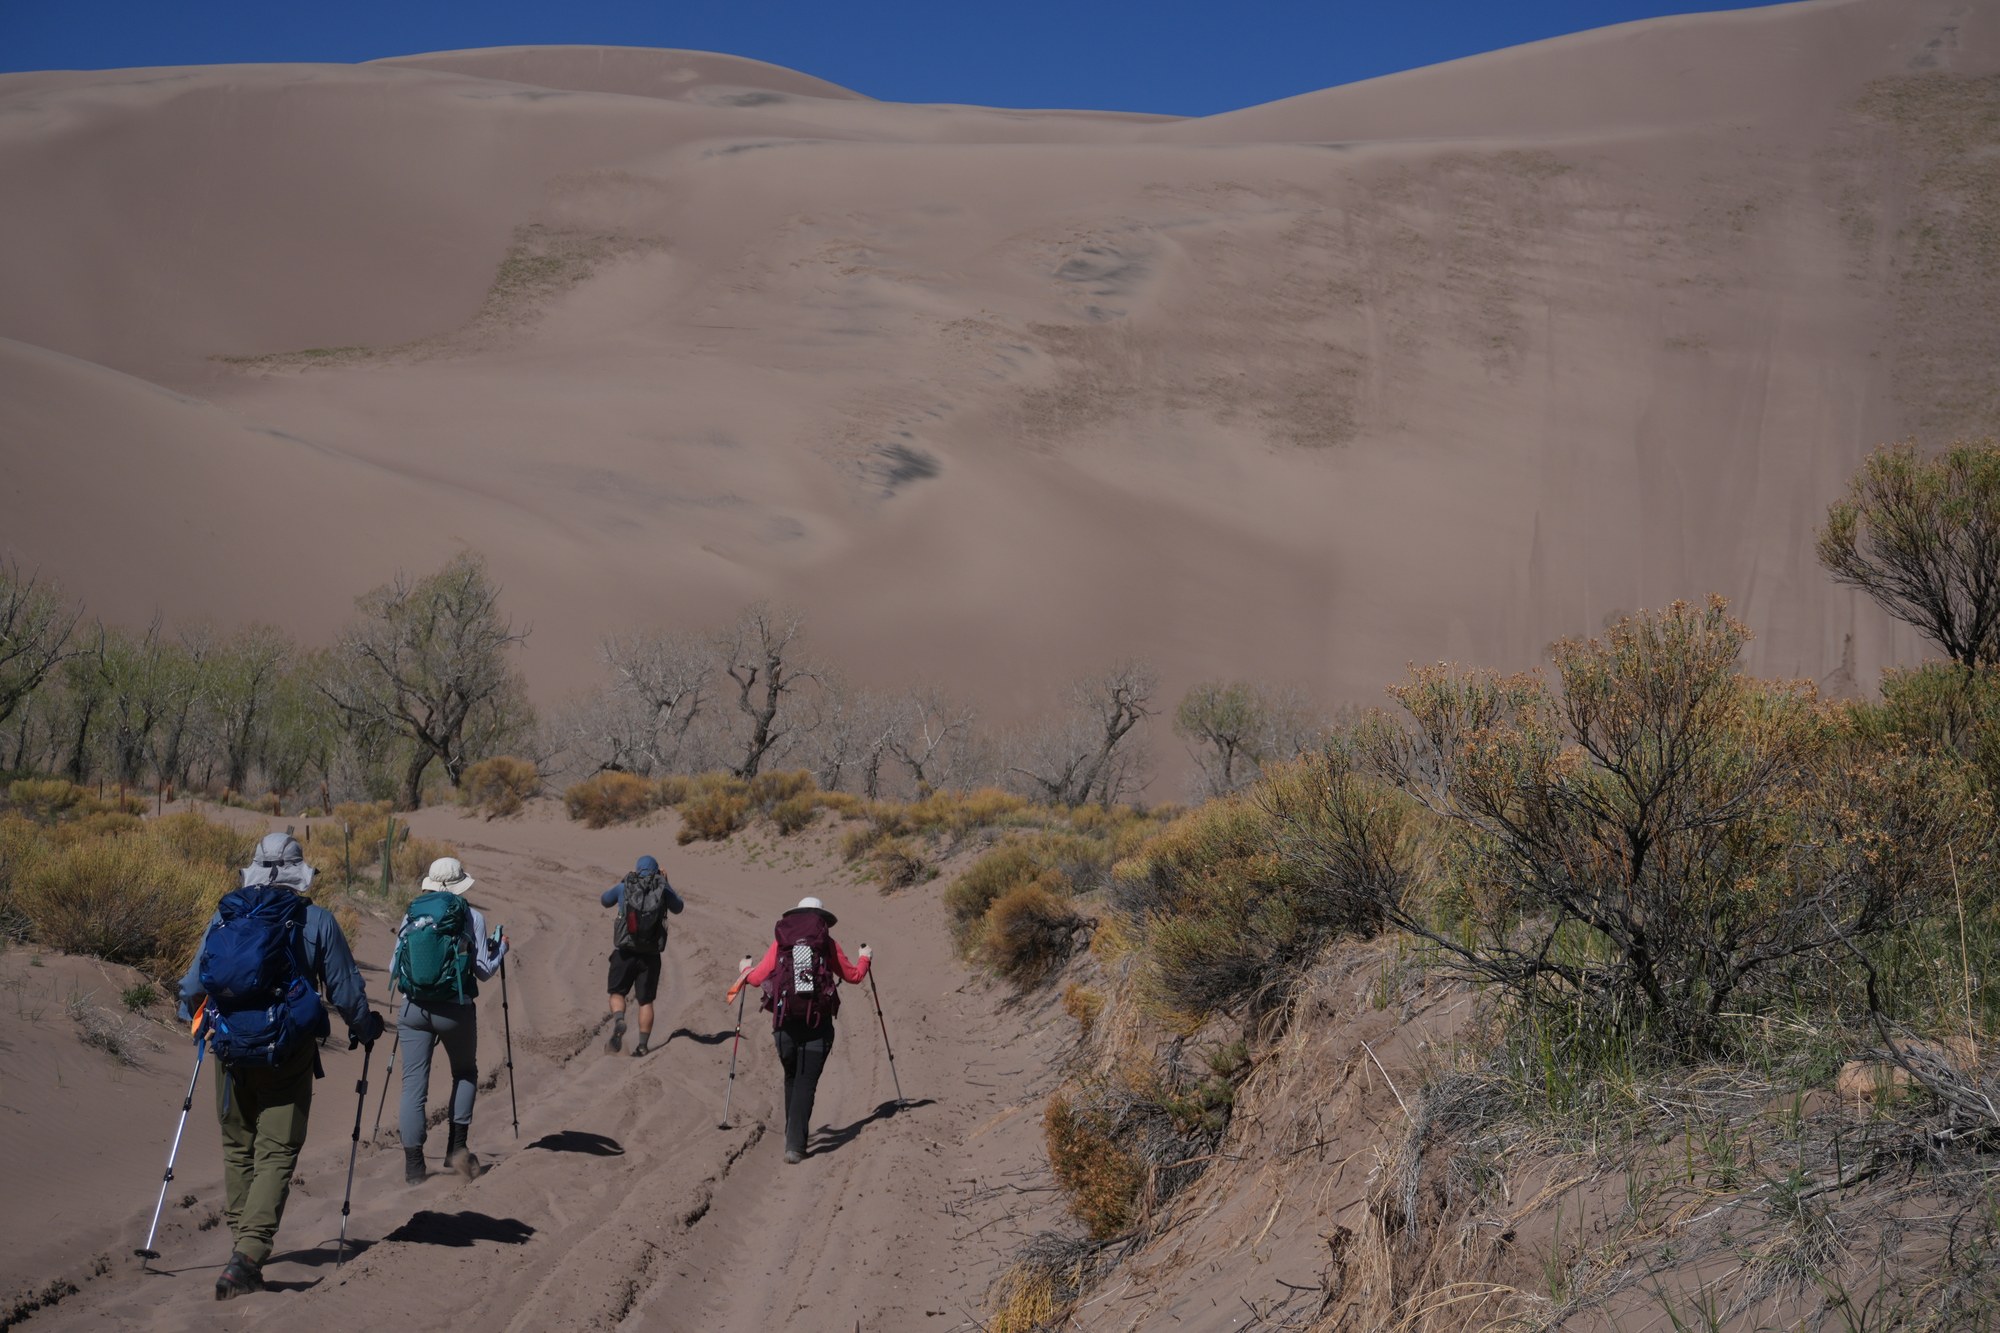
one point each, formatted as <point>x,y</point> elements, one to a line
<point>641,923</point>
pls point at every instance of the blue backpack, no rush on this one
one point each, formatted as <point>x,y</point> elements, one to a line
<point>253,969</point>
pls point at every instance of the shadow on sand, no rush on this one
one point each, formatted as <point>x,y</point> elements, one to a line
<point>705,1038</point>
<point>461,1229</point>
<point>577,1140</point>
<point>828,1139</point>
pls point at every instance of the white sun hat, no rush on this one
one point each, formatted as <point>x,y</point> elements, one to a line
<point>447,876</point>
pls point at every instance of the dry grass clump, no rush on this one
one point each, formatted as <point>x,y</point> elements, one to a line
<point>52,800</point>
<point>768,789</point>
<point>900,863</point>
<point>713,815</point>
<point>993,875</point>
<point>203,840</point>
<point>1030,931</point>
<point>131,896</point>
<point>1100,1177</point>
<point>499,786</point>
<point>1053,1270</point>
<point>609,798</point>
<point>123,1039</point>
<point>1084,1005</point>
<point>794,813</point>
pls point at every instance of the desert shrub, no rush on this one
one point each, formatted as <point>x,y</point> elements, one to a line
<point>44,798</point>
<point>500,785</point>
<point>609,798</point>
<point>843,803</point>
<point>899,863</point>
<point>859,842</point>
<point>1658,846</point>
<point>794,813</point>
<point>127,899</point>
<point>1102,1179</point>
<point>1051,1272</point>
<point>97,824</point>
<point>713,815</point>
<point>1956,708</point>
<point>203,841</point>
<point>354,856</point>
<point>1225,916</point>
<point>1023,1300</point>
<point>1030,930</point>
<point>999,871</point>
<point>139,997</point>
<point>768,789</point>
<point>1083,1004</point>
<point>673,789</point>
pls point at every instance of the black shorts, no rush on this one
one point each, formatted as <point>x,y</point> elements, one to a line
<point>638,973</point>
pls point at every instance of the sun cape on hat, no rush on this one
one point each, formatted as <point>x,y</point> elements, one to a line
<point>279,860</point>
<point>447,876</point>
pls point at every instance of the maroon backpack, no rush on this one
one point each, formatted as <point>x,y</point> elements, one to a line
<point>803,988</point>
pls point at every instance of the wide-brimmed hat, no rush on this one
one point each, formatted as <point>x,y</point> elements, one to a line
<point>279,860</point>
<point>811,904</point>
<point>447,876</point>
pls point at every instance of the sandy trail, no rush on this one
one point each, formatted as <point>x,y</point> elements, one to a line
<point>622,1204</point>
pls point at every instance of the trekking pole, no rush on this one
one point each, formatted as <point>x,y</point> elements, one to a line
<point>877,995</point>
<point>507,1027</point>
<point>742,994</point>
<point>389,1074</point>
<point>200,1049</point>
<point>360,1105</point>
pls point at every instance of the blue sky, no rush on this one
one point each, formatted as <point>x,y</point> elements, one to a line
<point>1188,57</point>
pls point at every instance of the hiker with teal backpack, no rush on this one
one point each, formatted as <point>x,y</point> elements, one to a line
<point>255,983</point>
<point>638,946</point>
<point>442,954</point>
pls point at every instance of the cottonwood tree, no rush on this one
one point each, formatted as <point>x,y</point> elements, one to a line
<point>1235,730</point>
<point>1922,537</point>
<point>35,628</point>
<point>931,738</point>
<point>1089,753</point>
<point>243,677</point>
<point>666,675</point>
<point>761,655</point>
<point>426,660</point>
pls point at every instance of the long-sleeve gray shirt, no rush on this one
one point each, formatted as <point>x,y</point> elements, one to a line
<point>329,966</point>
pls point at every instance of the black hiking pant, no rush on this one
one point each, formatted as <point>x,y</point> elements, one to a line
<point>802,1050</point>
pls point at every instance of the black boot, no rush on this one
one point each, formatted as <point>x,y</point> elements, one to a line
<point>240,1277</point>
<point>457,1156</point>
<point>413,1166</point>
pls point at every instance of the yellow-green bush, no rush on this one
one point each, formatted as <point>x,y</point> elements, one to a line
<point>124,898</point>
<point>794,813</point>
<point>899,863</point>
<point>609,798</point>
<point>672,789</point>
<point>203,840</point>
<point>713,815</point>
<point>1030,930</point>
<point>1100,1177</point>
<point>965,903</point>
<point>499,786</point>
<point>768,789</point>
<point>44,798</point>
<point>858,842</point>
<point>1083,1004</point>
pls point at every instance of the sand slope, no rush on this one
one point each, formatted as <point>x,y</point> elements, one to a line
<point>1442,365</point>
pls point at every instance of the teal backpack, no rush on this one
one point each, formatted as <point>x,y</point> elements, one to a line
<point>433,963</point>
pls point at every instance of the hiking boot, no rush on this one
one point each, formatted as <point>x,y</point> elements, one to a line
<point>617,1035</point>
<point>458,1157</point>
<point>793,1156</point>
<point>413,1166</point>
<point>641,1048</point>
<point>240,1276</point>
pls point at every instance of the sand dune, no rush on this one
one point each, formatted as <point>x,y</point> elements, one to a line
<point>1443,365</point>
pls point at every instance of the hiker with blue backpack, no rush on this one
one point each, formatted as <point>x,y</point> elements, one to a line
<point>800,975</point>
<point>442,954</point>
<point>253,994</point>
<point>638,946</point>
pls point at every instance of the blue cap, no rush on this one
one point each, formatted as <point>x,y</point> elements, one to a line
<point>648,866</point>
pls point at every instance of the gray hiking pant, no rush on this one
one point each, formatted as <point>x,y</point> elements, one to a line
<point>420,1027</point>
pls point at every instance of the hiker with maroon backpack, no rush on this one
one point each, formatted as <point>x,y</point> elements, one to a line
<point>253,992</point>
<point>442,954</point>
<point>801,974</point>
<point>638,943</point>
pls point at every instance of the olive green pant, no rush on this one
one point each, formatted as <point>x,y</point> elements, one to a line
<point>263,1114</point>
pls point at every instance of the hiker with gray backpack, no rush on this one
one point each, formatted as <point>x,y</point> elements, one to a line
<point>253,994</point>
<point>638,943</point>
<point>442,954</point>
